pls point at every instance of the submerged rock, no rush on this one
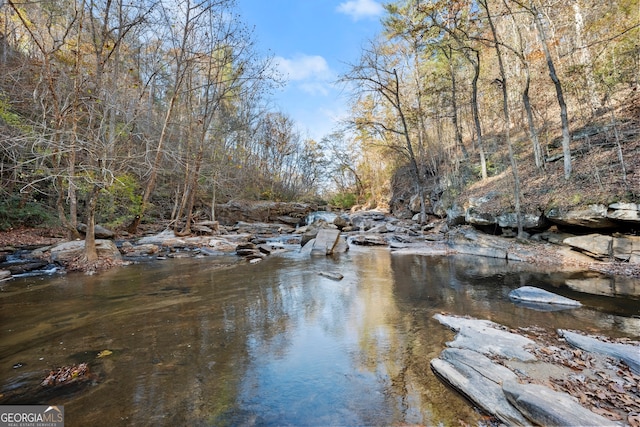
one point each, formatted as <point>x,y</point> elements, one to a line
<point>531,294</point>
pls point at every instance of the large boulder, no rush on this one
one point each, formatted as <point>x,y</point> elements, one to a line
<point>477,217</point>
<point>100,231</point>
<point>67,252</point>
<point>455,215</point>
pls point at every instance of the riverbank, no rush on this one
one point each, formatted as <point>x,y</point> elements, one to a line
<point>400,236</point>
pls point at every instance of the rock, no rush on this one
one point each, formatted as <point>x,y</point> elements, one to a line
<point>629,354</point>
<point>625,212</point>
<point>26,266</point>
<point>480,380</point>
<point>597,245</point>
<point>468,241</point>
<point>64,253</point>
<point>340,222</point>
<point>100,231</point>
<point>455,216</point>
<point>366,220</point>
<point>4,274</point>
<point>602,246</point>
<point>594,217</point>
<point>486,337</point>
<point>531,294</point>
<point>139,250</point>
<point>369,240</point>
<point>547,407</point>
<point>530,222</point>
<point>476,217</point>
<point>289,220</point>
<point>221,245</point>
<point>249,250</point>
<point>325,241</point>
<point>331,275</point>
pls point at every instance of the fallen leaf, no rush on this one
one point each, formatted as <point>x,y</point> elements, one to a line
<point>104,353</point>
<point>607,413</point>
<point>616,387</point>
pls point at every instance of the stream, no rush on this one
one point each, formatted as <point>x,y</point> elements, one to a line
<point>216,341</point>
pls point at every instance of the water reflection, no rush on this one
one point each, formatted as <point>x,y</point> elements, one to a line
<point>274,343</point>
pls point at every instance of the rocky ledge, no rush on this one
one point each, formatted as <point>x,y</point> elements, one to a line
<point>534,377</point>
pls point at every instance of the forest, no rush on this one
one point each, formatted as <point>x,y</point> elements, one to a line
<point>114,111</point>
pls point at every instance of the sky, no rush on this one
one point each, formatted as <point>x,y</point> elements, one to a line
<point>312,42</point>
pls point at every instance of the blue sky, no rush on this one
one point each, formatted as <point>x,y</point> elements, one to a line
<point>313,41</point>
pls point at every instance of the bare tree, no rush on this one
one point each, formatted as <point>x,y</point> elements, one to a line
<point>376,75</point>
<point>503,84</point>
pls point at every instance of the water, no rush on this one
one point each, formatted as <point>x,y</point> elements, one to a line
<point>211,341</point>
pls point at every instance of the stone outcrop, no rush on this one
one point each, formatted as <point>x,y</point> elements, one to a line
<point>500,372</point>
<point>607,247</point>
<point>591,217</point>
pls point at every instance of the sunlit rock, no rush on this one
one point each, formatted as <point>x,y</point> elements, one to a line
<point>531,294</point>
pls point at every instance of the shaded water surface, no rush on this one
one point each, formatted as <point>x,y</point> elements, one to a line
<point>273,343</point>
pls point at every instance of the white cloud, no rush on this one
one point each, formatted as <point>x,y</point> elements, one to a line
<point>311,73</point>
<point>358,9</point>
<point>303,67</point>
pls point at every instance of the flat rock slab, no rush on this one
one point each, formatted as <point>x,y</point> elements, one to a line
<point>487,337</point>
<point>547,407</point>
<point>531,294</point>
<point>629,354</point>
<point>325,241</point>
<point>480,380</point>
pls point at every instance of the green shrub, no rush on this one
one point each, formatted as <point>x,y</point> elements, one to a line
<point>343,200</point>
<point>20,212</point>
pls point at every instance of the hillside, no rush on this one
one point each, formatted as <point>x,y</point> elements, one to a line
<point>597,176</point>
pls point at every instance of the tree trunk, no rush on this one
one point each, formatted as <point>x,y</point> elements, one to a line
<point>585,57</point>
<point>454,104</point>
<point>507,118</point>
<point>412,157</point>
<point>566,135</point>
<point>537,149</point>
<point>476,112</point>
<point>90,252</point>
